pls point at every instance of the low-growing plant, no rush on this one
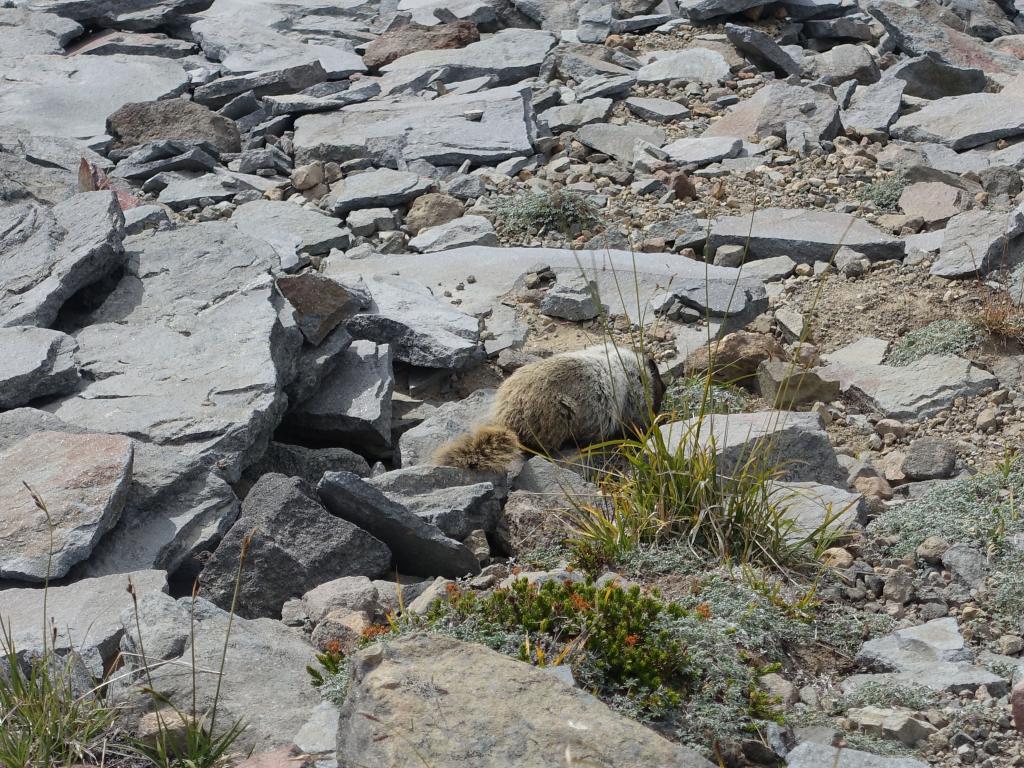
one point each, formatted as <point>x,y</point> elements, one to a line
<point>940,337</point>
<point>530,214</point>
<point>1003,318</point>
<point>885,193</point>
<point>887,694</point>
<point>673,484</point>
<point>688,396</point>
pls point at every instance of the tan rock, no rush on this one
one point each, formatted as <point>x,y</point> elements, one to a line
<point>413,37</point>
<point>344,628</point>
<point>836,557</point>
<point>735,357</point>
<point>933,201</point>
<point>876,487</point>
<point>432,209</point>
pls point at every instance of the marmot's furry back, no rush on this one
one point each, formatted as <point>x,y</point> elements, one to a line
<point>574,398</point>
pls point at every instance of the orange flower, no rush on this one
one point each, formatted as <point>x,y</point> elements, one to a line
<point>333,646</point>
<point>580,602</point>
<point>632,640</point>
<point>375,630</point>
<point>704,611</point>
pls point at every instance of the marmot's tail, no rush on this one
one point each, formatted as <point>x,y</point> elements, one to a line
<point>490,448</point>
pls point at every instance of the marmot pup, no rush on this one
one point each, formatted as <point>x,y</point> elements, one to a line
<point>579,397</point>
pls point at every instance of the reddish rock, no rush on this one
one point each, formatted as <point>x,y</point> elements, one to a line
<point>83,480</point>
<point>736,356</point>
<point>321,304</point>
<point>413,37</point>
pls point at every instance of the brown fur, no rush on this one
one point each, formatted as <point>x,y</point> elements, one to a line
<point>491,448</point>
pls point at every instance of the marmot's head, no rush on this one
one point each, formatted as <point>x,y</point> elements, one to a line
<point>657,385</point>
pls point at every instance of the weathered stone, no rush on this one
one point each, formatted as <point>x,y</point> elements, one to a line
<point>573,298</point>
<point>963,122</point>
<point>430,210</point>
<point>72,97</point>
<point>811,755</point>
<point>418,547</point>
<point>813,506</point>
<point>619,141</point>
<point>182,189</point>
<point>933,201</point>
<point>703,151</point>
<point>412,37</point>
<point>735,357</point>
<point>702,10</point>
<point>308,463</point>
<point>48,255</point>
<point>86,616</point>
<point>293,545</point>
<point>699,65</point>
<point>422,330</point>
<point>378,187</point>
<point>457,501</point>
<point>796,442</point>
<point>784,385</point>
<point>803,235</point>
<point>147,121</point>
<point>83,481</point>
<point>767,112</point>
<point>321,304</point>
<point>272,82</point>
<point>761,49</point>
<point>844,63</point>
<point>929,458</point>
<point>657,110</point>
<point>458,233</point>
<point>310,232</point>
<point>275,703</point>
<point>36,363</point>
<point>353,406</point>
<point>973,242</point>
<point>920,389</point>
<point>929,77</point>
<point>348,593</point>
<point>533,714</point>
<point>967,564</point>
<point>446,131</point>
<point>27,33</point>
<point>510,56</point>
<point>42,169</point>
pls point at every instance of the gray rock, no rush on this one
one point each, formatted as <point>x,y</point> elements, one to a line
<point>379,187</point>
<point>702,10</point>
<point>37,362</point>
<point>761,49</point>
<point>419,548</point>
<point>796,442</point>
<point>271,221</point>
<point>419,444</point>
<point>573,116</point>
<point>873,109</point>
<point>812,505</point>
<point>294,546</point>
<point>308,463</point>
<point>699,65</point>
<point>967,564</point>
<point>811,755</point>
<point>974,242</point>
<point>767,112</point>
<point>918,390</point>
<point>962,122</point>
<point>86,616</point>
<point>483,128</point>
<point>929,77</point>
<point>703,151</point>
<point>511,55</point>
<point>533,713</point>
<point>48,255</point>
<point>572,298</point>
<point>803,235</point>
<point>855,26</point>
<point>144,217</point>
<point>163,157</point>
<point>349,593</point>
<point>272,82</point>
<point>71,97</point>
<point>126,14</point>
<point>182,189</point>
<point>422,330</point>
<point>82,479</point>
<point>353,406</point>
<point>918,31</point>
<point>42,169</point>
<point>929,458</point>
<point>179,119</point>
<point>265,680</point>
<point>619,141</point>
<point>457,501</point>
<point>784,385</point>
<point>27,33</point>
<point>245,45</point>
<point>843,63</point>
<point>771,269</point>
<point>657,110</point>
<point>458,233</point>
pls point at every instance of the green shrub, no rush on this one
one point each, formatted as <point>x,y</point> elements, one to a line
<point>887,694</point>
<point>689,395</point>
<point>530,214</point>
<point>658,489</point>
<point>941,337</point>
<point>885,193</point>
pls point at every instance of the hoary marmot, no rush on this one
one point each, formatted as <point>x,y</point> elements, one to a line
<point>576,398</point>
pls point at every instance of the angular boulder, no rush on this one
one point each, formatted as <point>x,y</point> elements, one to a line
<point>148,121</point>
<point>412,37</point>
<point>37,362</point>
<point>963,122</point>
<point>767,112</point>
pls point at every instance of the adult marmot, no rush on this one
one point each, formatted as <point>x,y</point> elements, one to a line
<point>574,398</point>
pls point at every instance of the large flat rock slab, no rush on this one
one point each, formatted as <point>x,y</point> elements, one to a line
<point>963,122</point>
<point>805,236</point>
<point>529,713</point>
<point>48,255</point>
<point>83,481</point>
<point>36,362</point>
<point>483,128</point>
<point>57,96</point>
<point>86,615</point>
<point>767,112</point>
